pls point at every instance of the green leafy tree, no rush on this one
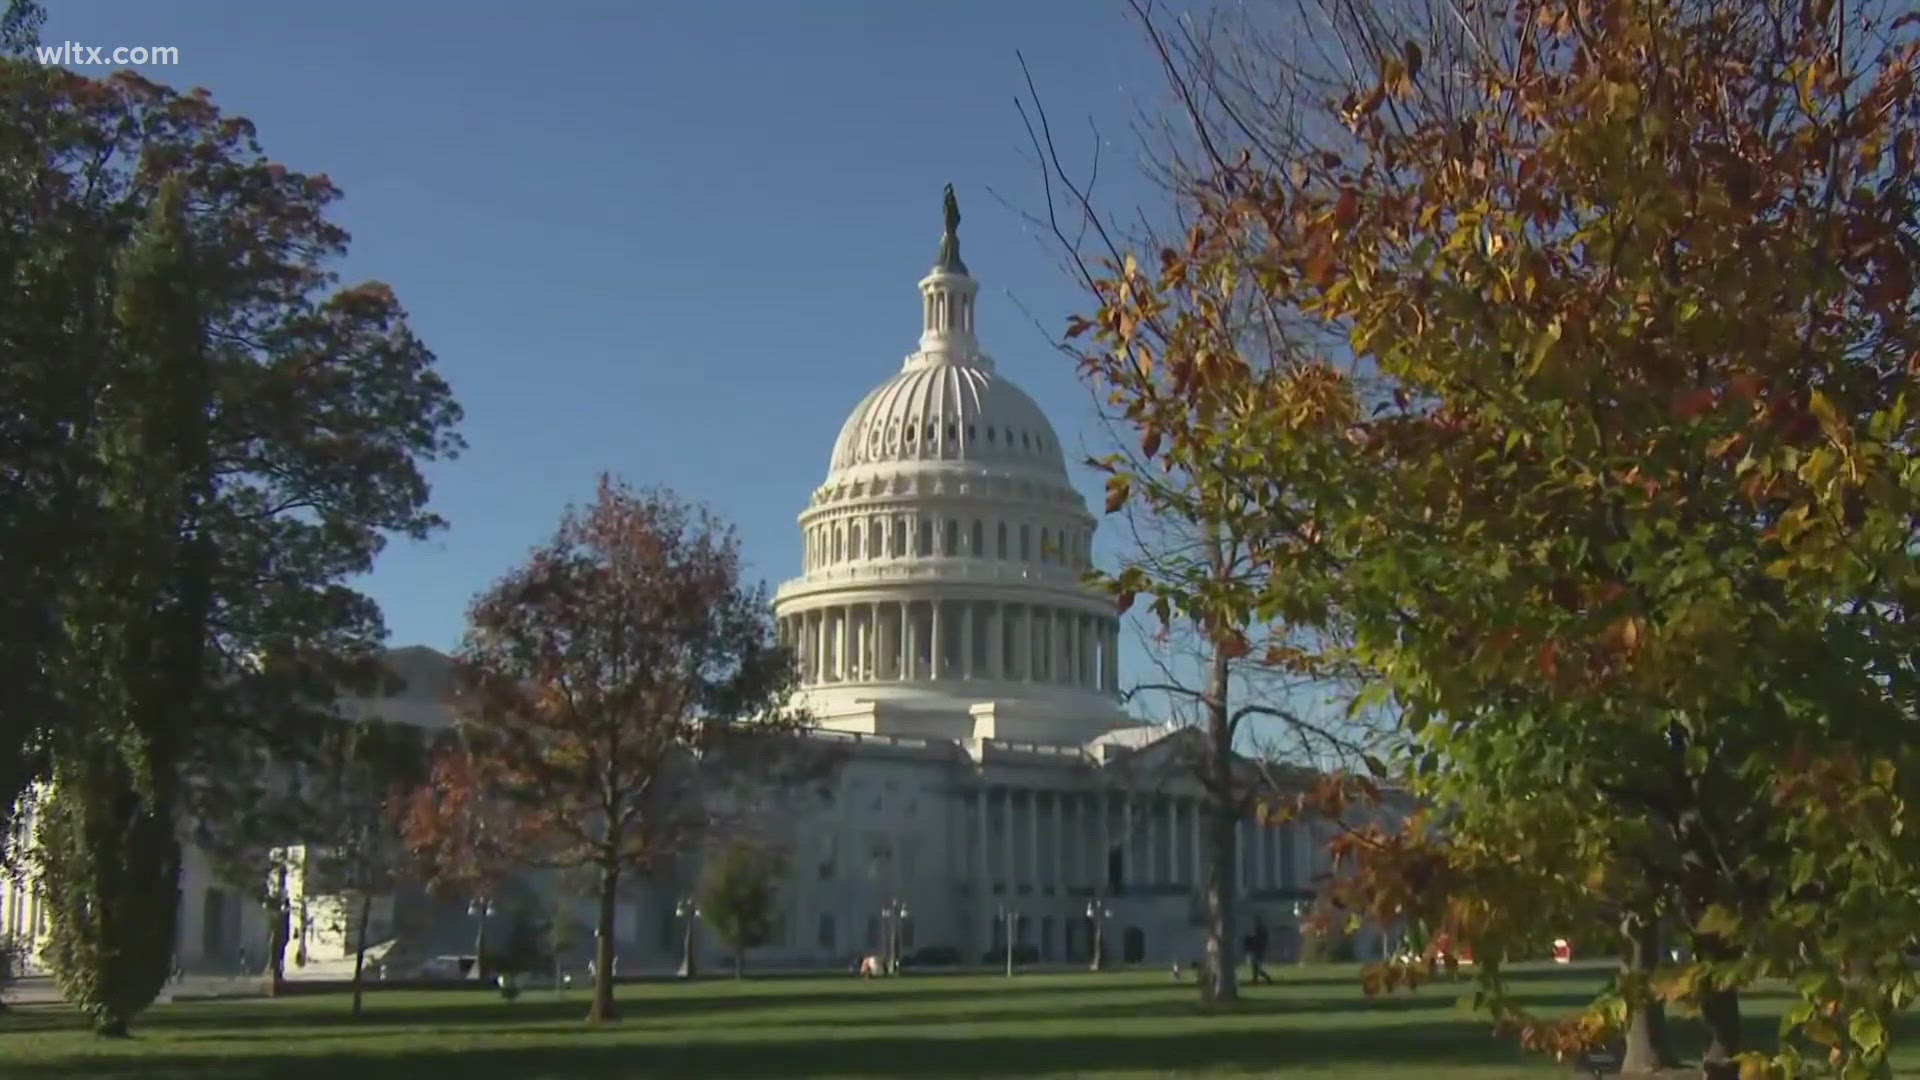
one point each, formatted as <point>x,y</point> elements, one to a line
<point>355,853</point>
<point>209,439</point>
<point>109,844</point>
<point>739,891</point>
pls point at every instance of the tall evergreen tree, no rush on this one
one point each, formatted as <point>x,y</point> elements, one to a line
<point>110,853</point>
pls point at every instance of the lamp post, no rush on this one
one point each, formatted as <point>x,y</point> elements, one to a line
<point>1098,913</point>
<point>895,912</point>
<point>689,912</point>
<point>1010,917</point>
<point>479,909</point>
<point>1300,908</point>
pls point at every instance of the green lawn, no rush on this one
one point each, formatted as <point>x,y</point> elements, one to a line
<point>1314,1023</point>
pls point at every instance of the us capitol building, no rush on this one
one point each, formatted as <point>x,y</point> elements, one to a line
<point>990,779</point>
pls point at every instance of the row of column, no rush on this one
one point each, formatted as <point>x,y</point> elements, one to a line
<point>905,640</point>
<point>917,535</point>
<point>1113,841</point>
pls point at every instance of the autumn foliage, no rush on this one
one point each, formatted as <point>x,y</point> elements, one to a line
<point>1570,385</point>
<point>602,683</point>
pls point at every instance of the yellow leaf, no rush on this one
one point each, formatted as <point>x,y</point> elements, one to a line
<point>1822,406</point>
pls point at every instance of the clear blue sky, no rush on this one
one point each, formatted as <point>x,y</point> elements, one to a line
<point>676,241</point>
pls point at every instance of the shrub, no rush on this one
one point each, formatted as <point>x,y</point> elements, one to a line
<point>1325,946</point>
<point>936,956</point>
<point>13,957</point>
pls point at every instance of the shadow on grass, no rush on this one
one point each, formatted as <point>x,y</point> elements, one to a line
<point>590,1057</point>
<point>479,1007</point>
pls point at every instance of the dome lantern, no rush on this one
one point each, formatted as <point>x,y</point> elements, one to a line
<point>946,298</point>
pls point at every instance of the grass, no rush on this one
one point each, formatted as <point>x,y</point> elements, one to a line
<point>1314,1023</point>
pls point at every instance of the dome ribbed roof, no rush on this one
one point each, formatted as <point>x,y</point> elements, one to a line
<point>948,412</point>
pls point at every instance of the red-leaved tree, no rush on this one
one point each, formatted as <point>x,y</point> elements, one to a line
<point>467,839</point>
<point>599,680</point>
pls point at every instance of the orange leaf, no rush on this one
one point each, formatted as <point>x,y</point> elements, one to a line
<point>1549,658</point>
<point>1691,403</point>
<point>1347,210</point>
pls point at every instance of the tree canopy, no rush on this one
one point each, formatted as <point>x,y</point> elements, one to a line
<point>598,678</point>
<point>1569,385</point>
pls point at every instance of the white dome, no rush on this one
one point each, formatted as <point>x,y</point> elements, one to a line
<point>960,412</point>
<point>942,590</point>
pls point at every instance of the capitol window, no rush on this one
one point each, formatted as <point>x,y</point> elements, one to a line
<point>979,540</point>
<point>1026,543</point>
<point>1003,540</point>
<point>953,538</point>
<point>926,539</point>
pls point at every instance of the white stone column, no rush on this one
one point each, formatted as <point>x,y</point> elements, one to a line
<point>1063,647</point>
<point>1172,818</point>
<point>903,660</point>
<point>1241,853</point>
<point>966,639</point>
<point>819,632</point>
<point>857,631</point>
<point>1089,653</point>
<point>912,640</point>
<point>982,859</point>
<point>996,641</point>
<point>1008,846</point>
<point>1025,649</point>
<point>934,642</point>
<point>1056,655</point>
<point>1270,857</point>
<point>1176,868</point>
<point>1194,859</point>
<point>1103,826</point>
<point>840,665</point>
<point>1059,817</point>
<point>1033,840</point>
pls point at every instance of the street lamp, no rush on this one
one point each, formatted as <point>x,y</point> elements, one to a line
<point>1098,913</point>
<point>1300,908</point>
<point>479,909</point>
<point>689,912</point>
<point>895,912</point>
<point>1011,918</point>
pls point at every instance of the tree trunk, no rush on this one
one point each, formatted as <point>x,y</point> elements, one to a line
<point>1648,1047</point>
<point>480,948</point>
<point>739,963</point>
<point>1720,1011</point>
<point>602,1008</point>
<point>689,963</point>
<point>360,951</point>
<point>278,930</point>
<point>1217,983</point>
